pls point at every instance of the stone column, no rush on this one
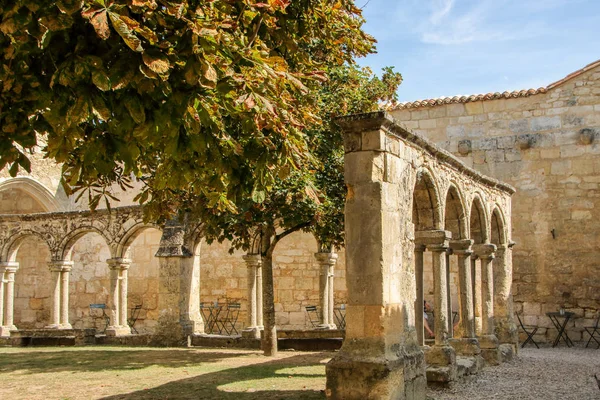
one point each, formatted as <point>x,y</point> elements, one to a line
<point>2,332</point>
<point>9,269</point>
<point>55,311</point>
<point>119,268</point>
<point>64,294</point>
<point>504,322</point>
<point>465,344</point>
<point>441,358</point>
<point>380,357</point>
<point>476,286</point>
<point>419,302</point>
<point>259,298</point>
<point>326,261</point>
<point>178,289</point>
<point>449,294</point>
<point>59,317</point>
<point>462,249</point>
<point>252,330</point>
<point>488,340</point>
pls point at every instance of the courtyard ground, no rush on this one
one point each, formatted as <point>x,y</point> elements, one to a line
<point>150,373</point>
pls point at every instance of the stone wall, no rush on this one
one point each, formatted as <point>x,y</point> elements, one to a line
<point>547,145</point>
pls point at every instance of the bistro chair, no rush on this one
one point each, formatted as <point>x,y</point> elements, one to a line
<point>594,332</point>
<point>230,319</point>
<point>134,314</point>
<point>313,315</point>
<point>529,330</point>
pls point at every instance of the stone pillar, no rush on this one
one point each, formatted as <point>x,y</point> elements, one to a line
<point>380,357</point>
<point>64,295</point>
<point>441,358</point>
<point>326,261</point>
<point>259,298</point>
<point>118,297</point>
<point>449,294</point>
<point>476,286</point>
<point>178,289</point>
<point>487,340</point>
<point>9,269</point>
<point>2,270</point>
<point>462,249</point>
<point>465,343</point>
<point>504,322</point>
<point>252,330</point>
<point>419,302</point>
<point>59,316</point>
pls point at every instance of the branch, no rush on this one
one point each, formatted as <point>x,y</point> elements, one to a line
<point>292,230</point>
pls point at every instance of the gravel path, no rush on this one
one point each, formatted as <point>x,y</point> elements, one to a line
<point>546,373</point>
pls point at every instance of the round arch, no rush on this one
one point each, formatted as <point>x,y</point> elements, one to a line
<point>426,209</point>
<point>36,190</point>
<point>66,245</point>
<point>11,248</point>
<point>498,234</point>
<point>478,221</point>
<point>124,245</point>
<point>455,216</point>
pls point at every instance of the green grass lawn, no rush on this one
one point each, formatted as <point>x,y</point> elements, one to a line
<point>152,373</point>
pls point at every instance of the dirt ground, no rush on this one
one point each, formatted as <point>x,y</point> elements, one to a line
<point>71,373</point>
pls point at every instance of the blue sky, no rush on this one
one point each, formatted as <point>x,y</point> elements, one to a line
<point>460,47</point>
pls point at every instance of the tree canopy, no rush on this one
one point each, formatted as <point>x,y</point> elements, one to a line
<point>115,89</point>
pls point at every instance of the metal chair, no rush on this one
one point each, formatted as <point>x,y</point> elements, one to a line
<point>134,314</point>
<point>529,330</point>
<point>594,332</point>
<point>313,315</point>
<point>230,319</point>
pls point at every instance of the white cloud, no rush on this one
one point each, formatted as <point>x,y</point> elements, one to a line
<point>441,8</point>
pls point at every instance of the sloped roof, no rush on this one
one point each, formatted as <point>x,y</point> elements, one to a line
<point>488,96</point>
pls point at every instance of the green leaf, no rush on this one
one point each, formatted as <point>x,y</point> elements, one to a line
<point>101,80</point>
<point>121,26</point>
<point>135,108</point>
<point>156,61</point>
<point>258,195</point>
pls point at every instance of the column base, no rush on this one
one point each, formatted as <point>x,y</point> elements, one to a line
<point>252,332</point>
<point>118,330</point>
<point>65,326</point>
<point>353,374</point>
<point>508,351</point>
<point>441,365</point>
<point>489,349</point>
<point>53,326</point>
<point>5,330</point>
<point>466,347</point>
<point>326,327</point>
<point>468,356</point>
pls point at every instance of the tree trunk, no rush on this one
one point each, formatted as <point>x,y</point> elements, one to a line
<point>269,343</point>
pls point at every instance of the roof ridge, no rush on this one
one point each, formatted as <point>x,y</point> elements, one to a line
<point>487,96</point>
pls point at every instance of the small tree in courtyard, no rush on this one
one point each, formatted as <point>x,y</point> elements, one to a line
<point>310,199</point>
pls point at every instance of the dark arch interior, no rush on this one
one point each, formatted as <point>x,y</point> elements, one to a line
<point>477,221</point>
<point>425,203</point>
<point>497,232</point>
<point>455,215</point>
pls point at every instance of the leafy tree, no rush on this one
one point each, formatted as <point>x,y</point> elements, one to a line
<point>310,199</point>
<point>115,88</point>
<point>218,107</point>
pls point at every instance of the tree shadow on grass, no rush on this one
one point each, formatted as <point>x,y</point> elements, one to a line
<point>289,378</point>
<point>75,360</point>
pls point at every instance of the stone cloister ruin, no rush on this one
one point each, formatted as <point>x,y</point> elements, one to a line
<point>421,225</point>
<point>407,199</point>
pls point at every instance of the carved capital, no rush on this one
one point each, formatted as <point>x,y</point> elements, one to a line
<point>485,250</point>
<point>60,265</point>
<point>434,240</point>
<point>118,263</point>
<point>462,247</point>
<point>326,258</point>
<point>252,260</point>
<point>9,266</point>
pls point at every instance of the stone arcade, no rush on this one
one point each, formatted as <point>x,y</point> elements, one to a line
<point>405,197</point>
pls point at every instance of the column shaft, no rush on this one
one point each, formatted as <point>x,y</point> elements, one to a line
<point>324,295</point>
<point>253,262</point>
<point>487,285</point>
<point>476,287</point>
<point>331,297</point>
<point>64,290</point>
<point>449,295</point>
<point>123,282</point>
<point>10,296</point>
<point>440,294</point>
<point>466,296</point>
<point>419,302</point>
<point>55,312</point>
<point>114,309</point>
<point>259,297</point>
<point>1,296</point>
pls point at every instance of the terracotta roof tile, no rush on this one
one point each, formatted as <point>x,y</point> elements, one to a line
<point>487,96</point>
